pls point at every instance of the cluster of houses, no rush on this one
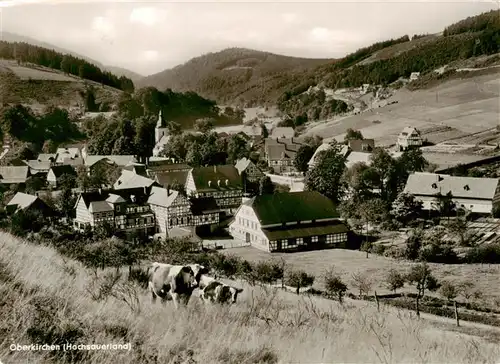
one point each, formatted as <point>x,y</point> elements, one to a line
<point>166,198</point>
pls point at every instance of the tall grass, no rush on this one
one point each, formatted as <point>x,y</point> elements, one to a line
<point>46,299</point>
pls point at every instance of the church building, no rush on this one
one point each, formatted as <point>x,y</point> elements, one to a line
<point>161,135</point>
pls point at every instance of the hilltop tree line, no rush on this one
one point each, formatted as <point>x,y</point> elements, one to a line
<point>471,37</point>
<point>27,53</point>
<point>489,21</point>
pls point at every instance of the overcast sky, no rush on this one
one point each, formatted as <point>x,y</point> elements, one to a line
<point>148,37</point>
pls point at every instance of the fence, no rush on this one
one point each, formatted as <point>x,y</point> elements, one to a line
<point>222,244</point>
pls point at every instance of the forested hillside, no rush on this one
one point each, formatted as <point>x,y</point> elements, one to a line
<point>239,75</point>
<point>27,53</point>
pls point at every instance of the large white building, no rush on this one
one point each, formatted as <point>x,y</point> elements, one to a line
<point>478,195</point>
<point>289,221</point>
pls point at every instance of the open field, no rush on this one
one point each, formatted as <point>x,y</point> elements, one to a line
<point>466,106</point>
<point>34,72</point>
<point>47,298</point>
<point>347,262</point>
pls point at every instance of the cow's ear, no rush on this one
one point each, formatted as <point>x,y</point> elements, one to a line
<point>239,290</point>
<point>187,269</point>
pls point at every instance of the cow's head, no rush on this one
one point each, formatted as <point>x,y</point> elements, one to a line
<point>188,276</point>
<point>228,294</point>
<point>198,271</point>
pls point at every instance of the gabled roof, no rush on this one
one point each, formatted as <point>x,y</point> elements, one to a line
<point>115,199</point>
<point>429,184</point>
<point>242,164</point>
<point>100,206</point>
<point>47,157</point>
<point>207,178</point>
<point>302,231</point>
<point>292,207</point>
<point>167,166</point>
<point>167,179</point>
<point>64,169</point>
<point>67,153</point>
<point>37,165</point>
<point>119,160</point>
<point>137,168</point>
<point>408,130</point>
<point>22,200</point>
<point>130,180</point>
<point>162,197</point>
<point>356,157</point>
<point>13,174</point>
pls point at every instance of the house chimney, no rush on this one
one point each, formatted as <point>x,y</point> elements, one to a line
<point>218,182</point>
<point>227,182</point>
<point>209,183</point>
<point>100,191</point>
<point>145,190</point>
<point>168,190</point>
<point>215,169</point>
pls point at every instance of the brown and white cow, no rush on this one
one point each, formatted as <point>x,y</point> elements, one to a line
<point>175,282</point>
<point>211,290</point>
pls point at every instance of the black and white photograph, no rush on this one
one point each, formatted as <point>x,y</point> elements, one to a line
<point>249,182</point>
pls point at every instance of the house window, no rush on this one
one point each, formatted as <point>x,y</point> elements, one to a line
<point>314,239</point>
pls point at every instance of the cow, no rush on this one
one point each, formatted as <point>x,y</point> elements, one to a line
<point>168,281</point>
<point>211,290</point>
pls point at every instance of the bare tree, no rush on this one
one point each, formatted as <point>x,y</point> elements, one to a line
<point>362,282</point>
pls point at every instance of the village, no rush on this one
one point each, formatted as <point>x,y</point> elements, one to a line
<point>223,206</point>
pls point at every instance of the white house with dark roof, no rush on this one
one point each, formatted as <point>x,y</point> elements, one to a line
<point>478,195</point>
<point>289,221</point>
<point>409,138</point>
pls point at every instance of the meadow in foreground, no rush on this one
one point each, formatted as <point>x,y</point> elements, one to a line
<point>47,299</point>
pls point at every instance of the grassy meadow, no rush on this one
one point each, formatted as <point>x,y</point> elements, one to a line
<point>47,299</point>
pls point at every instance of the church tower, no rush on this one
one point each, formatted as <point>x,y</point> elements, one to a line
<point>161,128</point>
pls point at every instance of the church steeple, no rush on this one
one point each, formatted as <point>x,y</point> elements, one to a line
<point>161,121</point>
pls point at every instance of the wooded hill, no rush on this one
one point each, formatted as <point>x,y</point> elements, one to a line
<point>69,64</point>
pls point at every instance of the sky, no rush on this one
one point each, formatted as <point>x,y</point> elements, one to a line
<point>148,37</point>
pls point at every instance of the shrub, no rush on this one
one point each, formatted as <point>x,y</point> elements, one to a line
<point>489,254</point>
<point>334,285</point>
<point>395,280</point>
<point>448,291</point>
<point>436,253</point>
<point>298,279</point>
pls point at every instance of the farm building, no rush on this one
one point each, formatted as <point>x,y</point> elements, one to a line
<point>282,132</point>
<point>57,172</point>
<point>280,153</point>
<point>289,221</point>
<point>478,195</point>
<point>10,175</point>
<point>24,202</point>
<point>248,168</point>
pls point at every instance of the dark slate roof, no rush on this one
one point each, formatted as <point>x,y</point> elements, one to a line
<point>303,231</point>
<point>292,207</point>
<point>206,178</point>
<point>167,179</point>
<point>64,169</point>
<point>167,166</point>
<point>203,205</point>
